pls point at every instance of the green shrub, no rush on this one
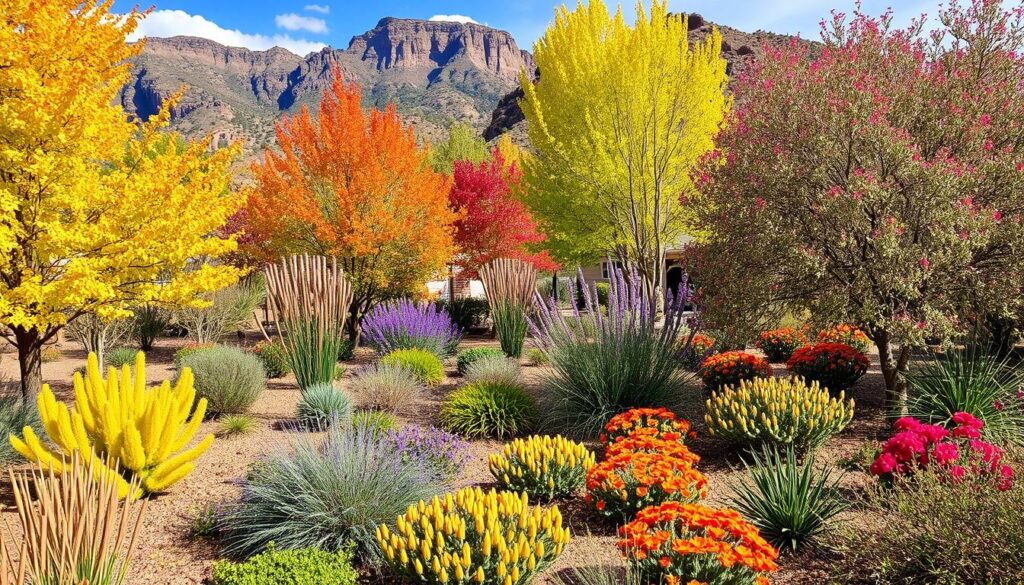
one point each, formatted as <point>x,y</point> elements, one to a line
<point>390,387</point>
<point>15,415</point>
<point>376,422</point>
<point>494,369</point>
<point>323,405</point>
<point>536,357</point>
<point>836,365</point>
<point>228,311</point>
<point>230,379</point>
<point>468,313</point>
<point>307,566</point>
<point>486,409</point>
<point>188,349</point>
<point>468,356</point>
<point>932,530</point>
<point>326,493</point>
<point>205,522</point>
<point>237,424</point>
<point>274,358</point>
<point>969,381</point>
<point>790,503</point>
<point>148,323</point>
<point>603,289</point>
<point>425,365</point>
<point>346,349</point>
<point>120,356</point>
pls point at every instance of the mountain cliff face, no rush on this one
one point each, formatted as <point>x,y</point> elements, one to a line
<point>437,73</point>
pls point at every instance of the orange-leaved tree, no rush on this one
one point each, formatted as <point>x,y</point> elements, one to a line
<point>352,183</point>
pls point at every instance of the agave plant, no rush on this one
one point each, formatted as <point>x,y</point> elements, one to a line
<point>974,381</point>
<point>605,362</point>
<point>789,502</point>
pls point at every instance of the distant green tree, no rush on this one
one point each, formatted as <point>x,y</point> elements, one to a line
<point>463,143</point>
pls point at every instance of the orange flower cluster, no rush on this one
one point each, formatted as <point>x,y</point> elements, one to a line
<point>645,464</point>
<point>835,366</point>
<point>704,545</point>
<point>701,347</point>
<point>662,422</point>
<point>779,344</point>
<point>727,369</point>
<point>846,334</point>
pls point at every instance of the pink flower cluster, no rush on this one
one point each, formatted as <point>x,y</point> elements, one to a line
<point>917,445</point>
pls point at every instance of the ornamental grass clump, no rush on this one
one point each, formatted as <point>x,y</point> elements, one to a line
<point>469,356</point>
<point>135,435</point>
<point>487,409</point>
<point>790,502</point>
<point>325,494</point>
<point>691,543</point>
<point>405,324</point>
<point>542,466</point>
<point>731,368</point>
<point>606,361</point>
<point>777,412</point>
<point>321,406</point>
<point>390,387</point>
<point>779,344</point>
<point>423,364</point>
<point>836,366</point>
<point>510,285</point>
<point>627,481</point>
<point>846,334</point>
<point>16,413</point>
<point>494,369</point>
<point>973,381</point>
<point>229,378</point>
<point>473,536</point>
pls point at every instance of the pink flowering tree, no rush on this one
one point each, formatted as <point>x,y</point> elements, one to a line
<point>877,179</point>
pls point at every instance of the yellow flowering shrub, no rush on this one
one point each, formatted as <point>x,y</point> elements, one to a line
<point>542,466</point>
<point>141,431</point>
<point>474,537</point>
<point>775,410</point>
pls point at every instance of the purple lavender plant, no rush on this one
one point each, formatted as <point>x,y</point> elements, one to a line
<point>439,450</point>
<point>403,324</point>
<point>606,362</point>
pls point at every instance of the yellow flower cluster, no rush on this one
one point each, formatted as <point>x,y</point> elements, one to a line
<point>542,466</point>
<point>129,432</point>
<point>474,537</point>
<point>783,411</point>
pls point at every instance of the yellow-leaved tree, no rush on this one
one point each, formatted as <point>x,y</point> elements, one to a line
<point>97,213</point>
<point>618,119</point>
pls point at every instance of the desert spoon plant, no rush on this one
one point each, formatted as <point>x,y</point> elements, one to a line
<point>510,285</point>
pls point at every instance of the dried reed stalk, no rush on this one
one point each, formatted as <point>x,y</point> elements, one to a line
<point>76,531</point>
<point>509,281</point>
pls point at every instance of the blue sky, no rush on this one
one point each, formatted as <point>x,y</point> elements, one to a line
<point>302,26</point>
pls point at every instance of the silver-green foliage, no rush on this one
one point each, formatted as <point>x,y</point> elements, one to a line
<point>391,387</point>
<point>494,369</point>
<point>230,379</point>
<point>15,415</point>
<point>323,405</point>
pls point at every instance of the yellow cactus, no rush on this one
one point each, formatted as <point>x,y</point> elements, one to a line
<point>141,431</point>
<point>776,410</point>
<point>542,466</point>
<point>473,536</point>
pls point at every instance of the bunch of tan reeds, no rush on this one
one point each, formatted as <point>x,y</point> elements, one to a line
<point>510,285</point>
<point>75,531</point>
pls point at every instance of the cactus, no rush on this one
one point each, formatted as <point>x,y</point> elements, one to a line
<point>773,410</point>
<point>140,431</point>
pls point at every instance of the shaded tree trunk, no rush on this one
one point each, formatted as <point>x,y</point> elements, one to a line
<point>894,363</point>
<point>30,361</point>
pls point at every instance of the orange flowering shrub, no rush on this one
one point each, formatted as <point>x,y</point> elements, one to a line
<point>727,369</point>
<point>661,421</point>
<point>701,347</point>
<point>677,541</point>
<point>626,482</point>
<point>648,441</point>
<point>779,344</point>
<point>847,334</point>
<point>835,366</point>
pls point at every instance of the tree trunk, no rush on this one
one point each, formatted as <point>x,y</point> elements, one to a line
<point>30,361</point>
<point>894,369</point>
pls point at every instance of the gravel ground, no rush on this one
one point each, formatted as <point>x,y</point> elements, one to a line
<point>167,555</point>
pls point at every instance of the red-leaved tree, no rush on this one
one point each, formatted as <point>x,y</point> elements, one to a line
<point>494,223</point>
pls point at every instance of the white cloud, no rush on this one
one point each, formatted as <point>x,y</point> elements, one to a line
<point>292,21</point>
<point>169,23</point>
<point>453,18</point>
<point>321,8</point>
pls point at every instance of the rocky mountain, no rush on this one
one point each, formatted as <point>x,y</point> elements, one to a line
<point>437,73</point>
<point>739,49</point>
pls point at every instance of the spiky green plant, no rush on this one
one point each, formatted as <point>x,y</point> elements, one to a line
<point>487,409</point>
<point>789,502</point>
<point>974,381</point>
<point>237,425</point>
<point>323,405</point>
<point>510,326</point>
<point>15,415</point>
<point>120,356</point>
<point>313,354</point>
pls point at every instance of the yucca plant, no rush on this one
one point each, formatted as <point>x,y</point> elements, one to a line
<point>75,528</point>
<point>974,381</point>
<point>788,501</point>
